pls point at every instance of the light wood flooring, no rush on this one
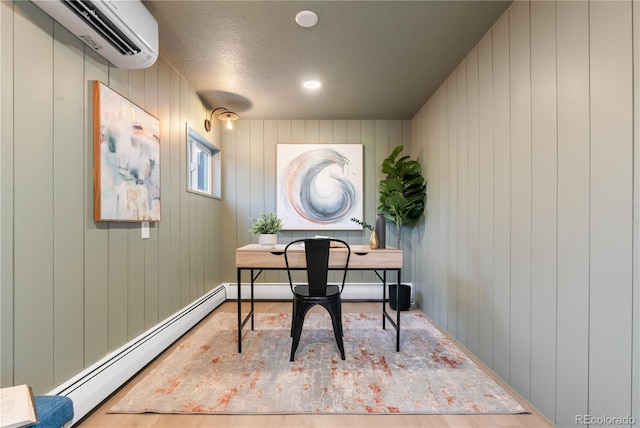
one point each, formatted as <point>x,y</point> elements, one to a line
<point>100,419</point>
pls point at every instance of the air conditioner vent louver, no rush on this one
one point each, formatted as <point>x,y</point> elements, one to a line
<point>101,24</point>
<point>122,31</point>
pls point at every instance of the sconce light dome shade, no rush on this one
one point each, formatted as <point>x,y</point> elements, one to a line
<point>228,115</point>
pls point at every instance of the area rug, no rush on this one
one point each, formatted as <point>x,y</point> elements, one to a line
<point>206,375</point>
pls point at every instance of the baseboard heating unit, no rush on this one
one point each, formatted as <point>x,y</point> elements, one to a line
<point>94,384</point>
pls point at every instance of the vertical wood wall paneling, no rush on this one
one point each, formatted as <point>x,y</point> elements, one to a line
<point>635,375</point>
<point>6,195</point>
<point>462,282</point>
<point>572,363</point>
<point>441,293</point>
<point>270,140</point>
<point>96,244</point>
<point>502,200</point>
<point>242,130</point>
<point>164,226</point>
<point>118,240</point>
<point>33,155</point>
<point>151,245</point>
<point>520,136</point>
<point>556,150</point>
<point>194,205</point>
<point>201,228</point>
<point>135,245</point>
<point>436,203</point>
<point>301,132</point>
<point>270,129</point>
<point>425,267</point>
<point>175,191</point>
<point>544,206</point>
<point>452,283</point>
<point>68,205</point>
<point>485,236</point>
<point>611,208</point>
<point>256,171</point>
<point>473,204</point>
<point>430,301</point>
<point>186,207</point>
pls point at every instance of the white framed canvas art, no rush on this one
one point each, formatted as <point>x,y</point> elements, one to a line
<point>126,159</point>
<point>319,186</point>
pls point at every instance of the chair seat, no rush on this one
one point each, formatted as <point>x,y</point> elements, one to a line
<point>303,290</point>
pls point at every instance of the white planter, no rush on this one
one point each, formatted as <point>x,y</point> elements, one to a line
<point>268,240</point>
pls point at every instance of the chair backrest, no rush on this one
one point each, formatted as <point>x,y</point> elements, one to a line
<point>317,261</point>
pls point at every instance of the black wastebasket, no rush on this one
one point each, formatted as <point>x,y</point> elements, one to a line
<point>404,296</point>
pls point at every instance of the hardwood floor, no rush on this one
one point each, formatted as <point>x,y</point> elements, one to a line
<point>99,418</point>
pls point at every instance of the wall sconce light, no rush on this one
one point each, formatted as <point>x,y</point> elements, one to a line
<point>223,114</point>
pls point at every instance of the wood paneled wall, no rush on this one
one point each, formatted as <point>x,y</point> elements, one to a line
<point>531,245</point>
<point>72,289</point>
<point>249,178</point>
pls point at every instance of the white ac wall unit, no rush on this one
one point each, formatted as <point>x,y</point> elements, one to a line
<point>122,31</point>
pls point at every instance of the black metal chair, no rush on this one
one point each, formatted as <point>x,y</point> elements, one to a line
<point>317,290</point>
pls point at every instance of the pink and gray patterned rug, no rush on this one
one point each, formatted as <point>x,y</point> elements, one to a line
<point>206,375</point>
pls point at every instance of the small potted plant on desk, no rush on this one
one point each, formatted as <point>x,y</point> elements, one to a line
<point>266,227</point>
<point>403,195</point>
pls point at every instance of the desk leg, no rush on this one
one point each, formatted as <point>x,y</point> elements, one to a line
<point>239,311</point>
<point>252,326</point>
<point>384,298</point>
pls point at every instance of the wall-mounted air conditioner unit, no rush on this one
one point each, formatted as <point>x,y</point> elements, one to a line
<point>122,31</point>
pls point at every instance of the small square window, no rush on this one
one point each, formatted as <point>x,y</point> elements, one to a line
<point>203,165</point>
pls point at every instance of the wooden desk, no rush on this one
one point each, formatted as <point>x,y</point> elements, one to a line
<point>254,257</point>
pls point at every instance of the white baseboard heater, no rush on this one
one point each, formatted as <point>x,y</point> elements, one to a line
<point>281,291</point>
<point>94,384</point>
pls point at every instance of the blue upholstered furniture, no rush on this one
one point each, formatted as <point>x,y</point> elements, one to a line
<point>54,411</point>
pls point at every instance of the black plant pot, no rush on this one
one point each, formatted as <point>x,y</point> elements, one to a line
<point>404,296</point>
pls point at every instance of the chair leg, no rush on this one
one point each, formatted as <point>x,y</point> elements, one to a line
<point>334,309</point>
<point>293,315</point>
<point>298,321</point>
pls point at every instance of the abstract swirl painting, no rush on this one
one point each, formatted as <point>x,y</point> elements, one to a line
<point>319,186</point>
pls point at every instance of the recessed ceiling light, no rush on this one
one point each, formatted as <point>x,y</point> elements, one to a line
<point>312,84</point>
<point>307,18</point>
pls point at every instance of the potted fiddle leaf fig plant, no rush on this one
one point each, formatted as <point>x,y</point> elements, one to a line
<point>403,192</point>
<point>402,201</point>
<point>266,227</point>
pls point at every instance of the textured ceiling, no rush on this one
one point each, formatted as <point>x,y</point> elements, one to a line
<point>376,59</point>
